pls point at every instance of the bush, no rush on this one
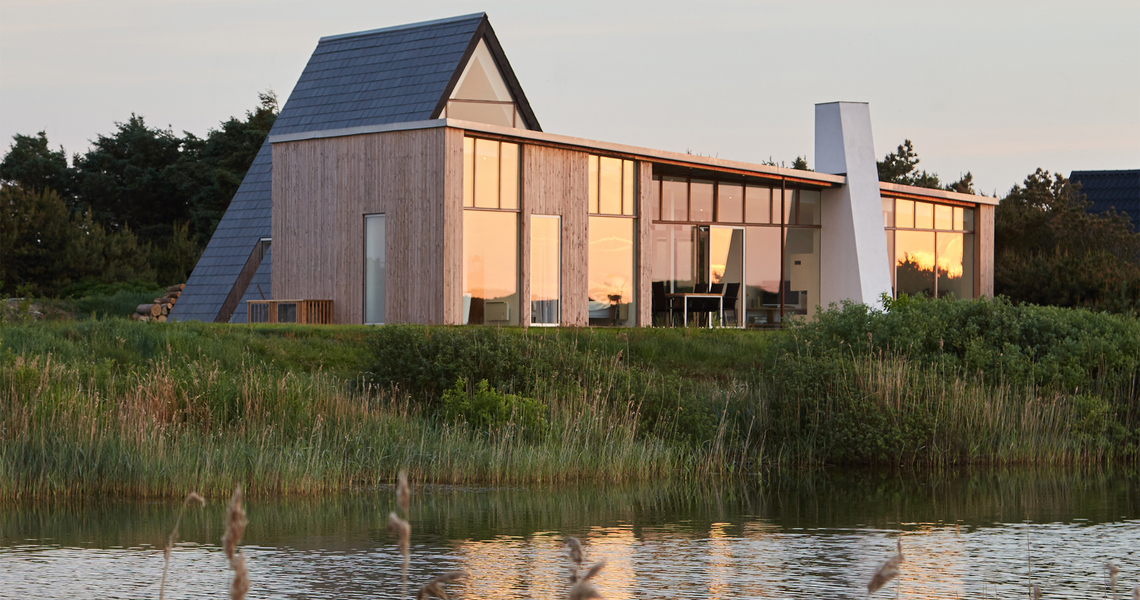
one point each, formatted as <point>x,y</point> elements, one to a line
<point>486,409</point>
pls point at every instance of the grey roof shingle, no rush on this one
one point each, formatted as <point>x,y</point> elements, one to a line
<point>390,75</point>
<point>1112,189</point>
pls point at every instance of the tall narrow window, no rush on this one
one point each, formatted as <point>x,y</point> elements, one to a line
<point>374,269</point>
<point>545,270</point>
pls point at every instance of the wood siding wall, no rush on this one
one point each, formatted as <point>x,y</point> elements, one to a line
<point>644,266</point>
<point>321,190</point>
<point>984,231</point>
<point>555,182</point>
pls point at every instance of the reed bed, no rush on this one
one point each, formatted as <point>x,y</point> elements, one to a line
<point>113,407</point>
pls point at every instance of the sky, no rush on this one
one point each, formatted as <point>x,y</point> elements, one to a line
<point>997,88</point>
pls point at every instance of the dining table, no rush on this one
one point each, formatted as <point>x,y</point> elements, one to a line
<point>685,296</point>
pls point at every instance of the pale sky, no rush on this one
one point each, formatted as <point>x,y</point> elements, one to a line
<point>994,87</point>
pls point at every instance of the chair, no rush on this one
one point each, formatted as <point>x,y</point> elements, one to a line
<point>663,303</point>
<point>731,297</point>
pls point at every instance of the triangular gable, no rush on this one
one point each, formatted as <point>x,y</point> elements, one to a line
<point>483,84</point>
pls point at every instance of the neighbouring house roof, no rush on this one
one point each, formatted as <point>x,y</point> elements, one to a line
<point>1112,189</point>
<point>390,75</point>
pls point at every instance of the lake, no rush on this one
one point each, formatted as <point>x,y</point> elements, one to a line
<point>976,534</point>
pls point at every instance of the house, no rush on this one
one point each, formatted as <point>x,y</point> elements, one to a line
<point>1107,190</point>
<point>407,180</point>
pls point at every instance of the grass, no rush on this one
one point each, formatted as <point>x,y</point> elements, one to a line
<point>115,407</point>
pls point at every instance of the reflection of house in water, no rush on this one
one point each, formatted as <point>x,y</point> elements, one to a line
<point>408,180</point>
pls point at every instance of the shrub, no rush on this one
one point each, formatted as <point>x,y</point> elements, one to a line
<point>486,409</point>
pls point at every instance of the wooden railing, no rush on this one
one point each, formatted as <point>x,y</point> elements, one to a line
<point>317,312</point>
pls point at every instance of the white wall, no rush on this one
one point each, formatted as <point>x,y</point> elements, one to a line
<point>853,248</point>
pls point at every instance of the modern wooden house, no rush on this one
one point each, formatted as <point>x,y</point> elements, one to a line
<point>407,180</point>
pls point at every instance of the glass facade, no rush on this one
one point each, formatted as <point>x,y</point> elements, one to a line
<point>612,286</point>
<point>764,240</point>
<point>374,269</point>
<point>490,268</point>
<point>490,232</point>
<point>490,174</point>
<point>611,282</point>
<point>931,247</point>
<point>545,270</point>
<point>612,185</point>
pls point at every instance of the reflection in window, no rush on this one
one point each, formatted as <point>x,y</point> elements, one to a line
<point>490,267</point>
<point>758,208</point>
<point>928,262</point>
<point>808,207</point>
<point>674,253</point>
<point>612,186</point>
<point>490,174</point>
<point>762,281</point>
<point>612,288</point>
<point>374,269</point>
<point>545,269</point>
<point>701,201</point>
<point>914,262</point>
<point>729,203</point>
<point>726,265</point>
<point>801,271</point>
<point>955,264</point>
<point>674,199</point>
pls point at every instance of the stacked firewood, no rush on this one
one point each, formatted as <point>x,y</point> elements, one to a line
<point>160,308</point>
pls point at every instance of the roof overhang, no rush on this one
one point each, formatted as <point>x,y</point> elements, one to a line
<point>618,150</point>
<point>895,190</point>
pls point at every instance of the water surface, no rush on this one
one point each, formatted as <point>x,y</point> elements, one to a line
<point>965,535</point>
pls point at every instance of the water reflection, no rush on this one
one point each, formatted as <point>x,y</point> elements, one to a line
<point>964,535</point>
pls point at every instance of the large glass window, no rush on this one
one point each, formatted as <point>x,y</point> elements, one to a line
<point>729,203</point>
<point>490,232</point>
<point>490,268</point>
<point>762,279</point>
<point>612,186</point>
<point>374,269</point>
<point>931,247</point>
<point>612,286</point>
<point>674,199</point>
<point>674,256</point>
<point>545,270</point>
<point>768,268</point>
<point>490,174</point>
<point>801,271</point>
<point>701,201</point>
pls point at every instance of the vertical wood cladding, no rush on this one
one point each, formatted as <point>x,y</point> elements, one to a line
<point>644,261</point>
<point>554,182</point>
<point>321,190</point>
<point>984,233</point>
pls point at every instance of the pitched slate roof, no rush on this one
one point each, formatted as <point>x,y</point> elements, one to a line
<point>391,75</point>
<point>1112,189</point>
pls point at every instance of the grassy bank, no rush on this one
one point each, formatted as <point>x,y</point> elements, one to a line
<point>118,407</point>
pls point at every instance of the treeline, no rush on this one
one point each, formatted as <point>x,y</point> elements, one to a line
<point>139,206</point>
<point>1048,248</point>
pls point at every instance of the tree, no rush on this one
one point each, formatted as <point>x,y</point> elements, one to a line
<point>964,185</point>
<point>126,180</point>
<point>31,165</point>
<point>800,164</point>
<point>1049,250</point>
<point>211,169</point>
<point>900,167</point>
<point>45,246</point>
